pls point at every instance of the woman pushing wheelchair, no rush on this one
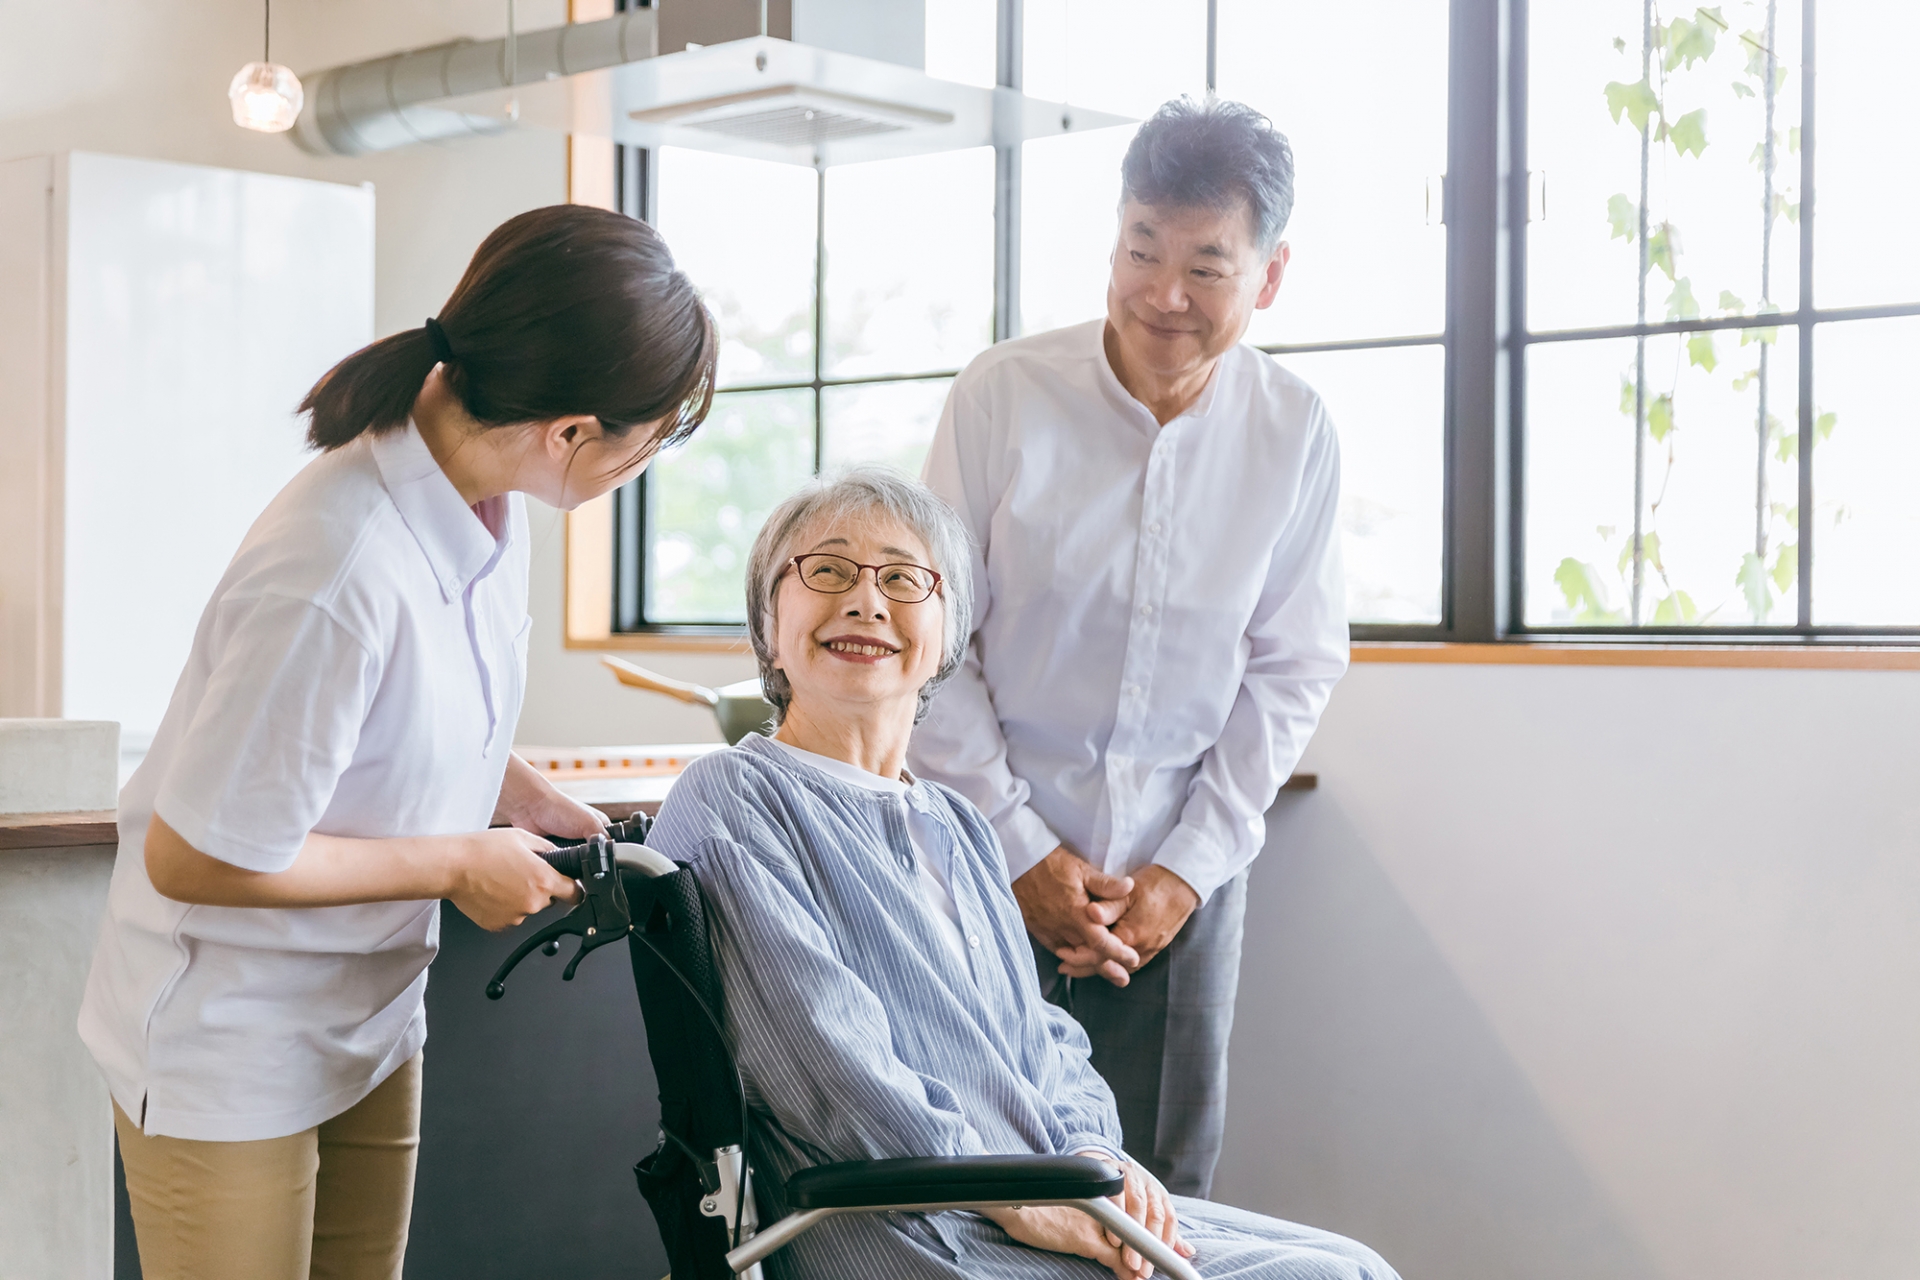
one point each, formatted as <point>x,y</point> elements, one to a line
<point>881,993</point>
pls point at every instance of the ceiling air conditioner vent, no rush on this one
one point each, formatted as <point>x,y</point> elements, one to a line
<point>793,115</point>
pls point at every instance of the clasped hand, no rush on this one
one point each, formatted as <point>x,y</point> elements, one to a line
<point>1101,924</point>
<point>1064,1229</point>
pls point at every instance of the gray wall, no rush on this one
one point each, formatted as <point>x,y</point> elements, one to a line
<point>1581,973</point>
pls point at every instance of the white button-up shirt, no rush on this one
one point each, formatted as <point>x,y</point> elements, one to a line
<point>358,672</point>
<point>1159,610</point>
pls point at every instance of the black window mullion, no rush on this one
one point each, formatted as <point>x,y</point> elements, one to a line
<point>1475,604</point>
<point>819,313</point>
<point>1804,553</point>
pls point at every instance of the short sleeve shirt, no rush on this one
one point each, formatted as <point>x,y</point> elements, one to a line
<point>358,672</point>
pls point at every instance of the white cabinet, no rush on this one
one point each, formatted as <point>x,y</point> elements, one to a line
<point>158,325</point>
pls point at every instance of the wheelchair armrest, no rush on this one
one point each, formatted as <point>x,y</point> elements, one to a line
<point>923,1180</point>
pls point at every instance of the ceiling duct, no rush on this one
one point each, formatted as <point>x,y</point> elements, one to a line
<point>381,104</point>
<point>761,96</point>
<point>792,115</point>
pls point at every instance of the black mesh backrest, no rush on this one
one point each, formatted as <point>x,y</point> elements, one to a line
<point>698,1100</point>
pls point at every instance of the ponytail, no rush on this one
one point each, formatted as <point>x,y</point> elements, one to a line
<point>372,390</point>
<point>563,310</point>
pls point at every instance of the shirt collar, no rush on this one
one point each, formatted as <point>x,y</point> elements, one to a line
<point>851,774</point>
<point>1110,382</point>
<point>457,546</point>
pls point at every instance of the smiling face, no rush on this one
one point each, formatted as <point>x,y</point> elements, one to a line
<point>1186,281</point>
<point>857,654</point>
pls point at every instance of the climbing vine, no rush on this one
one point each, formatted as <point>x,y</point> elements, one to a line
<point>1670,52</point>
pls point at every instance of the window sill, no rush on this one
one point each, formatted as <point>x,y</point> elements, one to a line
<point>679,640</point>
<point>1812,657</point>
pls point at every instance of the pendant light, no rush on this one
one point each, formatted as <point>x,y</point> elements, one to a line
<point>265,95</point>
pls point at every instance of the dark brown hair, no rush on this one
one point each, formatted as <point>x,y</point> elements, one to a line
<point>563,310</point>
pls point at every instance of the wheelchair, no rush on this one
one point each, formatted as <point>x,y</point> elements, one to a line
<point>699,1181</point>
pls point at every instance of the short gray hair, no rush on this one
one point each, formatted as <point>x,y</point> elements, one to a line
<point>855,492</point>
<point>1212,155</point>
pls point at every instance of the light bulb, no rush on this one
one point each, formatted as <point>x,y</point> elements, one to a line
<point>265,96</point>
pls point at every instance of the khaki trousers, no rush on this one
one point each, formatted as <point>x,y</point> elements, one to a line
<point>330,1203</point>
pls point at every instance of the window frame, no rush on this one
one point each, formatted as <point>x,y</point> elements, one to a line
<point>1484,344</point>
<point>1805,319</point>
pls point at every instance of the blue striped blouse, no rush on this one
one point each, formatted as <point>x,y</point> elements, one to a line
<point>861,1035</point>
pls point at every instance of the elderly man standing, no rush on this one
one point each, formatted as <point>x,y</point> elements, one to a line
<point>1160,617</point>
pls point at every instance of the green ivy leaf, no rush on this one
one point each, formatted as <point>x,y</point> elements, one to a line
<point>1791,210</point>
<point>1635,101</point>
<point>1676,610</point>
<point>1824,424</point>
<point>1585,594</point>
<point>1624,215</point>
<point>1786,566</point>
<point>1660,417</point>
<point>1793,140</point>
<point>1627,396</point>
<point>1690,42</point>
<point>1619,45</point>
<point>1700,351</point>
<point>1689,132</point>
<point>1786,444</point>
<point>1752,581</point>
<point>1661,247</point>
<point>1728,302</point>
<point>1742,381</point>
<point>1756,46</point>
<point>1740,89</point>
<point>1681,304</point>
<point>1649,553</point>
<point>1768,335</point>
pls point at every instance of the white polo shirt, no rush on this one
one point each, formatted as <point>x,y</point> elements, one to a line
<point>358,672</point>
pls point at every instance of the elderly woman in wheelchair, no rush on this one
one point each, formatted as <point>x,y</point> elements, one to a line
<point>879,986</point>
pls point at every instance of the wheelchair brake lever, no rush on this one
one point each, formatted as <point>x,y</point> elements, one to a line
<point>602,915</point>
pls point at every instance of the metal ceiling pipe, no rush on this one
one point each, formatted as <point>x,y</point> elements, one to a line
<point>379,104</point>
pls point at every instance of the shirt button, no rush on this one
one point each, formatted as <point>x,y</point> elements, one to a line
<point>973,940</point>
<point>1154,527</point>
<point>1133,691</point>
<point>1146,611</point>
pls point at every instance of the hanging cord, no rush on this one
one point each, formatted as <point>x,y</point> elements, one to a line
<point>266,37</point>
<point>512,65</point>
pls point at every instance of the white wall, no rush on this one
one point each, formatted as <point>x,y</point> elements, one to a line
<point>1580,973</point>
<point>145,80</point>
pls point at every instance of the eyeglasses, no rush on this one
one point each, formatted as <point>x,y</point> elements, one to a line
<point>833,575</point>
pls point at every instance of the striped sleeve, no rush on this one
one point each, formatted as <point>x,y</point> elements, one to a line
<point>810,1036</point>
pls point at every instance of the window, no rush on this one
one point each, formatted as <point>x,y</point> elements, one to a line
<point>846,303</point>
<point>1705,448</point>
<point>1601,362</point>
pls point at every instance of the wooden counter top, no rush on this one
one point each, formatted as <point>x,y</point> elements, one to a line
<point>58,830</point>
<point>617,791</point>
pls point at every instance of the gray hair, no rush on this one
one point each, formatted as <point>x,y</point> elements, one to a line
<point>1213,155</point>
<point>851,493</point>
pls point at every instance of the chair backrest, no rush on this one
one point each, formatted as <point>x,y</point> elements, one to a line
<point>700,1106</point>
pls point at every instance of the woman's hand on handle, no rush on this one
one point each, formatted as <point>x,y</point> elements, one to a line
<point>501,880</point>
<point>493,876</point>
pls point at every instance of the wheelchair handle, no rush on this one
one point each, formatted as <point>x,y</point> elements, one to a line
<point>602,915</point>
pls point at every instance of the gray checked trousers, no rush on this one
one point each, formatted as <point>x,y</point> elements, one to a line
<point>1161,1041</point>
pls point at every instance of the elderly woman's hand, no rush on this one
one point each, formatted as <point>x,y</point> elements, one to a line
<point>1063,1229</point>
<point>1147,1202</point>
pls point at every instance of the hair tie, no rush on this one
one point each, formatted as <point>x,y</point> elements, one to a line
<point>442,349</point>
